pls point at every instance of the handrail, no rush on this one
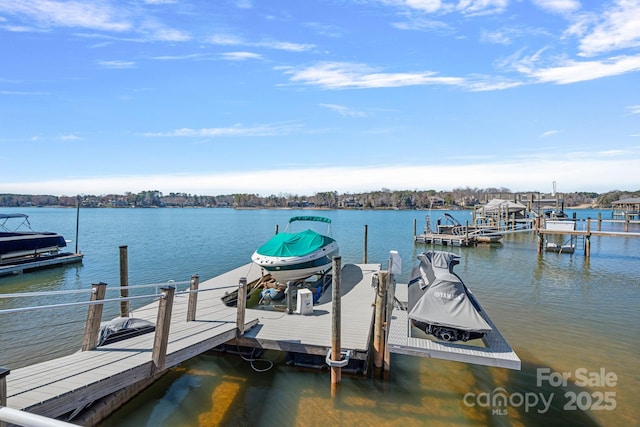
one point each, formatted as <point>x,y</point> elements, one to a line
<point>27,419</point>
<point>84,291</point>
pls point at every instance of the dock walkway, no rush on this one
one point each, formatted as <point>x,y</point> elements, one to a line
<point>311,334</point>
<point>64,385</point>
<point>57,387</point>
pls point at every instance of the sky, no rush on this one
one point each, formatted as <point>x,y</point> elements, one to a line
<point>286,97</point>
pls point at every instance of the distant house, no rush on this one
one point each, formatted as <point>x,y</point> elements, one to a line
<point>626,208</point>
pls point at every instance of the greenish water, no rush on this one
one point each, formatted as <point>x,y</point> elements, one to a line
<point>561,314</point>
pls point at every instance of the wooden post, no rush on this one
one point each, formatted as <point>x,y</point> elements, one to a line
<point>3,385</point>
<point>627,217</point>
<point>242,306</point>
<point>193,298</point>
<point>587,238</point>
<point>289,297</point>
<point>540,242</point>
<point>466,232</point>
<point>599,221</point>
<point>124,281</point>
<point>77,220</point>
<point>163,323</point>
<point>94,317</point>
<point>3,390</point>
<point>587,246</point>
<point>391,292</point>
<point>336,343</point>
<point>378,324</point>
<point>366,233</point>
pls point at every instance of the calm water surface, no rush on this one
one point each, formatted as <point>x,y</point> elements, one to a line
<point>561,314</point>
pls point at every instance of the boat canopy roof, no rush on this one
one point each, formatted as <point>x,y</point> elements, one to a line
<point>309,218</point>
<point>294,244</point>
<point>13,215</point>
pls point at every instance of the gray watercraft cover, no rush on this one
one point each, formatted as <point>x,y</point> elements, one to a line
<point>437,295</point>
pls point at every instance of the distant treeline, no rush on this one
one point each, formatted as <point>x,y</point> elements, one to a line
<point>383,199</point>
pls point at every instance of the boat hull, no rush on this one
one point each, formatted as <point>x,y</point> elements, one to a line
<point>286,269</point>
<point>13,245</point>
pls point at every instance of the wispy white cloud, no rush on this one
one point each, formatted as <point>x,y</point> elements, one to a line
<point>46,13</point>
<point>103,16</point>
<point>240,56</point>
<point>344,111</point>
<point>179,57</point>
<point>482,7</point>
<point>571,71</point>
<point>117,64</point>
<point>233,40</point>
<point>558,6</point>
<point>236,130</point>
<point>346,75</point>
<point>634,109</point>
<point>618,28</point>
<point>21,93</point>
<point>70,137</point>
<point>549,133</point>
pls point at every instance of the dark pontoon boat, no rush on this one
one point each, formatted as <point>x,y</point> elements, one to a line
<point>22,241</point>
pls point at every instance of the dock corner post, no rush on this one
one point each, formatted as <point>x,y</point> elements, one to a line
<point>161,338</point>
<point>193,298</point>
<point>289,297</point>
<point>94,317</point>
<point>378,324</point>
<point>242,305</point>
<point>391,292</point>
<point>3,385</point>
<point>124,281</point>
<point>336,342</point>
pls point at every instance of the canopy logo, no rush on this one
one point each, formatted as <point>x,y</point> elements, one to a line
<point>499,400</point>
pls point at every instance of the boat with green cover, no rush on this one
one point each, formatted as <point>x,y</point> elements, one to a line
<point>291,256</point>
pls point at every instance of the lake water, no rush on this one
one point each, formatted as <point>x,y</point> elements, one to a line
<point>566,317</point>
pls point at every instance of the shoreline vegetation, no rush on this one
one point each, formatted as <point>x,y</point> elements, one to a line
<point>462,198</point>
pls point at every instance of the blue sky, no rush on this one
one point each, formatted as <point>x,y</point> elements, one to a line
<point>295,97</point>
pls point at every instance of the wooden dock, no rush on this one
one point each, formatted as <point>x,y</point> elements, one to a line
<point>311,334</point>
<point>23,265</point>
<point>60,386</point>
<point>446,239</point>
<point>494,351</point>
<point>69,384</point>
<point>88,385</point>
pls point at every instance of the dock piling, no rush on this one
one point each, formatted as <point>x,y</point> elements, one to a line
<point>124,281</point>
<point>3,389</point>
<point>193,298</point>
<point>242,306</point>
<point>336,356</point>
<point>289,297</point>
<point>378,324</point>
<point>366,232</point>
<point>94,317</point>
<point>161,338</point>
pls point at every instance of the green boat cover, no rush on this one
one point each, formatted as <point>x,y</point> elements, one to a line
<point>294,244</point>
